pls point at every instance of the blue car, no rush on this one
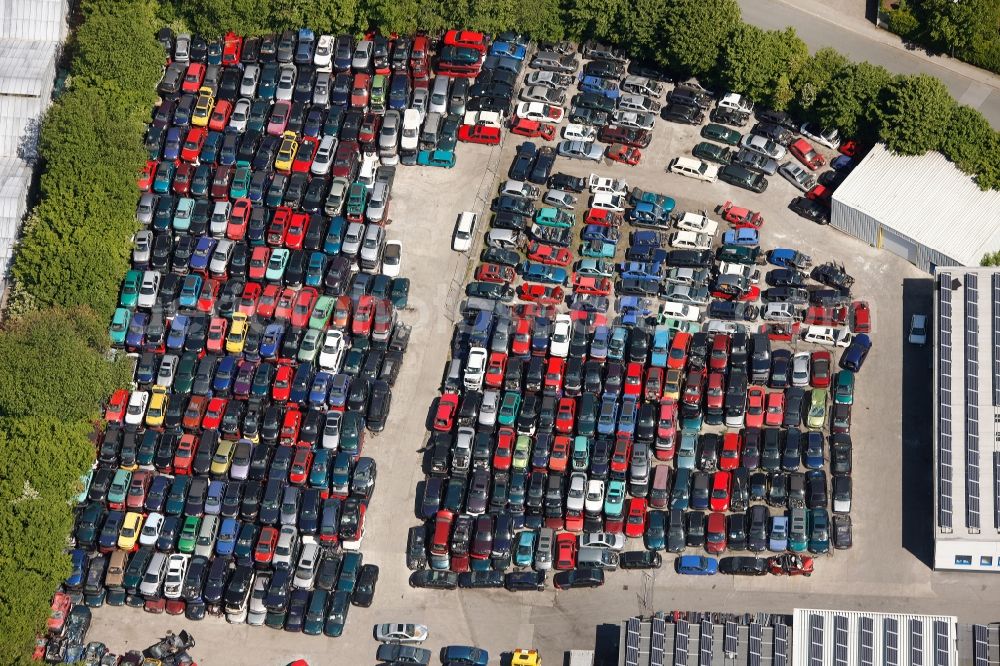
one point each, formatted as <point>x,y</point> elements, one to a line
<point>225,372</point>
<point>788,258</point>
<point>210,149</point>
<point>640,270</point>
<point>627,417</point>
<point>843,163</point>
<point>316,269</point>
<point>202,254</point>
<point>226,540</point>
<point>608,416</point>
<point>742,236</point>
<point>697,565</point>
<point>598,249</point>
<point>213,498</point>
<point>812,456</point>
<point>301,381</point>
<point>320,471</point>
<point>399,91</point>
<point>645,213</point>
<point>501,49</point>
<point>136,334</point>
<point>334,235</point>
<point>524,552</point>
<point>599,343</point>
<point>534,272</point>
<point>854,356</point>
<point>600,233</point>
<point>595,84</point>
<point>320,389</point>
<point>660,347</point>
<point>172,146</point>
<point>190,289</point>
<point>178,332</point>
<point>650,239</point>
<point>616,346</point>
<point>78,558</point>
<point>271,340</point>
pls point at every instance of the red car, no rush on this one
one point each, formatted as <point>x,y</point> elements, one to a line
<point>495,367</point>
<point>718,358</point>
<point>267,542</point>
<point>521,340</point>
<point>549,254</point>
<point>290,426</point>
<point>114,412</point>
<point>559,455</point>
<point>554,375</point>
<point>805,153</point>
<point>193,143</point>
<point>566,416</point>
<point>282,385</point>
<point>729,456</point>
<point>193,77</point>
<point>361,323</point>
<point>750,295</point>
<point>216,334</point>
<point>303,306</point>
<point>58,612</point>
<point>504,452</point>
<point>495,273</point>
<point>484,134</point>
<point>219,119</point>
<point>248,300</point>
<point>466,39</point>
<point>755,407</point>
<point>694,386</point>
<point>184,455</point>
<point>283,309</point>
<point>574,521</point>
<point>305,154</point>
<point>780,332</point>
<point>621,454</point>
<point>194,411</point>
<point>213,415</point>
<point>182,178</point>
<point>145,179</point>
<point>820,193</point>
<point>739,216</point>
<point>268,301</point>
<point>279,226</point>
<point>207,295</point>
<point>565,558</point>
<point>774,412</point>
<point>817,315</point>
<point>861,317</point>
<point>137,489</point>
<point>820,365</point>
<point>532,128</point>
<point>369,128</point>
<point>539,293</point>
<point>232,47</point>
<point>341,312</point>
<point>653,390</point>
<point>716,392</point>
<point>666,430</point>
<point>677,355</point>
<point>720,491</point>
<point>444,417</point>
<point>258,262</point>
<point>715,533</point>
<point>633,379</point>
<point>301,463</point>
<point>295,235</point>
<point>360,90</point>
<point>236,229</point>
<point>635,520</point>
<point>603,218</point>
<point>619,152</point>
<point>588,284</point>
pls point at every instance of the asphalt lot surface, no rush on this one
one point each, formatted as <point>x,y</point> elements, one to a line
<point>885,570</point>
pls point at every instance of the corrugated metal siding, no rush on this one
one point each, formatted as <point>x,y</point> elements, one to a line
<point>33,19</point>
<point>925,198</point>
<point>27,68</point>
<point>854,222</point>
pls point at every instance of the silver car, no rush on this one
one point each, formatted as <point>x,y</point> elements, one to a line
<point>256,613</point>
<point>240,115</point>
<point>400,633</point>
<point>439,95</point>
<point>800,369</point>
<point>388,136</point>
<point>419,102</point>
<point>756,162</point>
<point>581,150</point>
<point>372,246</point>
<point>560,199</point>
<point>548,79</point>
<point>763,146</point>
<point>633,102</point>
<point>142,248</point>
<point>633,119</point>
<point>797,176</point>
<point>488,408</point>
<point>543,550</point>
<point>543,94</point>
<point>337,196</point>
<point>251,77</point>
<point>286,83</point>
<point>353,237</point>
<point>146,208</point>
<point>690,295</point>
<point>321,89</point>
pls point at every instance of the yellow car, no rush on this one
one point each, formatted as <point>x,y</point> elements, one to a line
<point>223,457</point>
<point>816,416</point>
<point>672,384</point>
<point>237,333</point>
<point>131,527</point>
<point>286,153</point>
<point>522,657</point>
<point>203,108</point>
<point>157,409</point>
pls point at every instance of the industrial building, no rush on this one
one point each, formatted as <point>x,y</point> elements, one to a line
<point>922,208</point>
<point>967,419</point>
<point>31,32</point>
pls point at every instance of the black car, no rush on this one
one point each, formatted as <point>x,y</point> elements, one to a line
<point>758,518</point>
<point>842,532</point>
<point>480,579</point>
<point>518,581</point>
<point>416,548</point>
<point>729,116</point>
<point>682,113</point>
<point>562,181</point>
<point>542,167</point>
<point>520,168</point>
<point>437,580</point>
<point>743,566</point>
<point>585,577</point>
<point>742,177</point>
<point>773,131</point>
<point>364,591</point>
<point>498,255</point>
<point>777,118</point>
<point>296,615</point>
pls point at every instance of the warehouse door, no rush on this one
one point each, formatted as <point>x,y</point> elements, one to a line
<point>897,244</point>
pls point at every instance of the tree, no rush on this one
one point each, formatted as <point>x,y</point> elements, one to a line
<point>968,140</point>
<point>814,77</point>
<point>903,22</point>
<point>849,102</point>
<point>596,19</point>
<point>760,63</point>
<point>915,114</point>
<point>692,34</point>
<point>990,259</point>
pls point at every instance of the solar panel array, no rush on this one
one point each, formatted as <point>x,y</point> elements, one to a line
<point>705,640</point>
<point>730,640</point>
<point>780,645</point>
<point>681,643</point>
<point>890,638</point>
<point>941,647</point>
<point>980,645</point>
<point>754,644</point>
<point>972,401</point>
<point>996,339</point>
<point>632,642</point>
<point>866,641</point>
<point>815,640</point>
<point>657,632</point>
<point>840,640</point>
<point>916,642</point>
<point>996,489</point>
<point>944,402</point>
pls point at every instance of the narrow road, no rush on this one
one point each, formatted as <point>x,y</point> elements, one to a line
<point>820,25</point>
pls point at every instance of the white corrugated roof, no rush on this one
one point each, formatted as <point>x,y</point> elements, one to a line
<point>928,199</point>
<point>25,66</point>
<point>33,19</point>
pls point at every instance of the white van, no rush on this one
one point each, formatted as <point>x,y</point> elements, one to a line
<point>205,543</point>
<point>369,165</point>
<point>828,335</point>
<point>464,228</point>
<point>305,573</point>
<point>153,578</point>
<point>410,135</point>
<point>674,310</point>
<point>324,156</point>
<point>475,369</point>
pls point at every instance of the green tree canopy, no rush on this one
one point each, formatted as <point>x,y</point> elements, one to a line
<point>814,77</point>
<point>850,100</point>
<point>915,114</point>
<point>693,33</point>
<point>762,63</point>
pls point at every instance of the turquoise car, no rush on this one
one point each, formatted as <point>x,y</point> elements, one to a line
<point>819,531</point>
<point>595,267</point>
<point>85,480</point>
<point>524,553</point>
<point>580,459</point>
<point>322,312</point>
<point>190,289</point>
<point>182,215</point>
<point>436,158</point>
<point>679,325</point>
<point>130,289</point>
<point>843,388</point>
<point>509,408</point>
<point>241,180</point>
<point>276,264</point>
<point>554,217</point>
<point>614,500</point>
<point>598,249</point>
<point>119,487</point>
<point>119,326</point>
<point>685,451</point>
<point>316,269</point>
<point>660,347</point>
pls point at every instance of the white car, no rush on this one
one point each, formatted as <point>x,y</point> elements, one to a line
<point>148,289</point>
<point>559,342</point>
<point>828,335</point>
<point>136,410</point>
<point>611,201</point>
<point>332,353</point>
<point>797,176</point>
<point>409,137</point>
<point>559,199</point>
<point>324,156</point>
<point>604,184</point>
<point>392,256</point>
<point>690,240</point>
<point>475,369</point>
<point>151,529</point>
<point>633,119</point>
<point>829,138</point>
<point>545,113</point>
<point>632,102</point>
<point>736,102</point>
<point>692,168</point>
<point>543,94</point>
<point>741,270</point>
<point>400,633</point>
<point>763,146</point>
<point>697,223</point>
<point>576,492</point>
<point>466,224</point>
<point>800,369</point>
<point>578,132</point>
<point>918,330</point>
<point>240,116</point>
<point>582,150</point>
<point>173,583</point>
<point>323,57</point>
<point>594,502</point>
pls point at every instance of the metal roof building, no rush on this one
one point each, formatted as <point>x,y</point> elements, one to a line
<point>31,32</point>
<point>922,208</point>
<point>966,419</point>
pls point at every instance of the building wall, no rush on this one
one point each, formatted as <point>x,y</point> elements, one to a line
<point>962,555</point>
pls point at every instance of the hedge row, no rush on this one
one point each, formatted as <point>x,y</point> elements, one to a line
<point>968,30</point>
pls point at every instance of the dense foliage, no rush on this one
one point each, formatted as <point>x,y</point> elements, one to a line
<point>968,30</point>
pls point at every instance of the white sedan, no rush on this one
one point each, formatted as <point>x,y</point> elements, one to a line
<point>543,113</point>
<point>400,633</point>
<point>543,94</point>
<point>392,256</point>
<point>690,240</point>
<point>559,342</point>
<point>686,166</point>
<point>824,137</point>
<point>578,132</point>
<point>763,146</point>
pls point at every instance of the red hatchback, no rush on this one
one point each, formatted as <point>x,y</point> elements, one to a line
<point>755,407</point>
<point>566,416</point>
<point>301,463</point>
<point>677,356</point>
<point>729,456</point>
<point>521,343</point>
<point>635,521</point>
<point>633,379</point>
<point>267,542</point>
<point>716,392</point>
<point>715,539</point>
<point>559,456</point>
<point>184,454</point>
<point>565,552</point>
<point>217,334</point>
<point>282,386</point>
<point>258,262</point>
<point>720,491</point>
<point>820,369</point>
<point>495,274</point>
<point>495,368</point>
<point>554,375</point>
<point>549,254</point>
<point>213,415</point>
<point>303,306</point>
<point>774,413</point>
<point>718,358</point>
<point>361,324</point>
<point>504,452</point>
<point>805,153</point>
<point>666,430</point>
<point>444,416</point>
<point>238,218</point>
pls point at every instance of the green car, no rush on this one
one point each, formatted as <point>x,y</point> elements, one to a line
<point>678,325</point>
<point>598,249</point>
<point>357,198</point>
<point>130,289</point>
<point>136,568</point>
<point>241,180</point>
<point>816,416</point>
<point>524,553</point>
<point>189,534</point>
<point>399,294</point>
<point>378,91</point>
<point>336,616</point>
<point>711,152</point>
<point>119,487</point>
<point>721,133</point>
<point>554,217</point>
<point>259,112</point>
<point>614,502</point>
<point>595,267</point>
<point>119,327</point>
<point>316,611</point>
<point>177,495</point>
<point>322,312</point>
<point>436,158</point>
<point>798,530</point>
<point>580,459</point>
<point>184,377</point>
<point>522,453</point>
<point>843,388</point>
<point>310,345</point>
<point>509,408</point>
<point>738,254</point>
<point>276,264</point>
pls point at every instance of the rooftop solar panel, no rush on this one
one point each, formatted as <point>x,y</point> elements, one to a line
<point>890,639</point>
<point>916,642</point>
<point>866,641</point>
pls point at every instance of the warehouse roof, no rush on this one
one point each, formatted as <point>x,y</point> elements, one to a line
<point>928,199</point>
<point>33,20</point>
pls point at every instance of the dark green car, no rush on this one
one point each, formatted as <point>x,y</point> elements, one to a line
<point>136,569</point>
<point>721,133</point>
<point>711,152</point>
<point>741,177</point>
<point>185,373</point>
<point>316,613</point>
<point>336,616</point>
<point>177,496</point>
<point>245,542</point>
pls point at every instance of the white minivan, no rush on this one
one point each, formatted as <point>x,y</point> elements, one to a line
<point>466,224</point>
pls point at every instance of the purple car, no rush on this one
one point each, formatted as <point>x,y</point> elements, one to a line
<point>136,331</point>
<point>340,386</point>
<point>244,378</point>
